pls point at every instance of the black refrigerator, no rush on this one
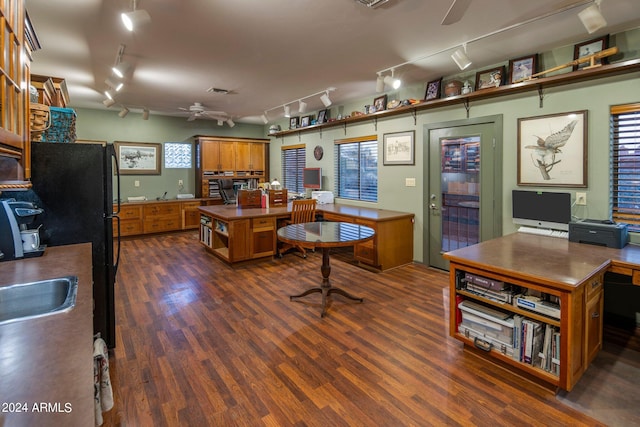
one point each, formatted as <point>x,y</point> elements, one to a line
<point>73,183</point>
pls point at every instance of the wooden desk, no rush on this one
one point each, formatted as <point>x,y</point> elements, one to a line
<point>572,272</point>
<point>325,235</point>
<point>236,235</point>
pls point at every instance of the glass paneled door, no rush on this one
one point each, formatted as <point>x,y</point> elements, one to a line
<point>463,202</point>
<point>460,192</point>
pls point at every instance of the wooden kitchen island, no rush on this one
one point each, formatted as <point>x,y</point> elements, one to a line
<point>567,272</point>
<point>235,235</point>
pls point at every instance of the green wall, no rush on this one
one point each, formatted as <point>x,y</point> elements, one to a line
<point>108,126</point>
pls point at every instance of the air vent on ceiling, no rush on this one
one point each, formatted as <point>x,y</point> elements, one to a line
<point>218,90</point>
<point>372,3</point>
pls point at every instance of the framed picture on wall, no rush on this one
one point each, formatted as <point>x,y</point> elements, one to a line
<point>138,158</point>
<point>588,48</point>
<point>294,122</point>
<point>521,69</point>
<point>398,148</point>
<point>552,150</point>
<point>433,90</point>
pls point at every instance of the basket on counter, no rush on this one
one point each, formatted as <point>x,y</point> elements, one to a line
<point>63,126</point>
<point>39,120</point>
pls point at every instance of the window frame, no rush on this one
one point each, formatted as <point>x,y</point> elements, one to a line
<point>624,130</point>
<point>365,190</point>
<point>300,153</point>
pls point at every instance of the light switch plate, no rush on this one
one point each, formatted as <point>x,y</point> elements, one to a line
<point>409,182</point>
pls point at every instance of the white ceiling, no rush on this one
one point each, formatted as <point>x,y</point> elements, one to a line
<point>271,52</point>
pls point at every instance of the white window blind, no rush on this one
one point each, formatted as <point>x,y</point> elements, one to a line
<point>356,166</point>
<point>625,167</point>
<point>293,162</point>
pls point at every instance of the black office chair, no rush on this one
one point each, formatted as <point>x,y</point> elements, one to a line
<point>225,186</point>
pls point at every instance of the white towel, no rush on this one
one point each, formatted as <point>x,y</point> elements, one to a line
<point>103,394</point>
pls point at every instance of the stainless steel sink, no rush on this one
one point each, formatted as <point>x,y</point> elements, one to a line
<point>36,299</point>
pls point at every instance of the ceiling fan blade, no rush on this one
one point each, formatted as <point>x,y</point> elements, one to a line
<point>456,11</point>
<point>192,117</point>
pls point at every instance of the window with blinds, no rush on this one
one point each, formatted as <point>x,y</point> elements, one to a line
<point>293,162</point>
<point>356,168</point>
<point>625,168</point>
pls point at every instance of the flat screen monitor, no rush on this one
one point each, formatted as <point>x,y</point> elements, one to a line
<point>543,209</point>
<point>312,178</point>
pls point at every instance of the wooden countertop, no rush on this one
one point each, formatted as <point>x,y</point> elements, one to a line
<point>49,360</point>
<point>554,262</point>
<point>147,202</point>
<point>231,212</point>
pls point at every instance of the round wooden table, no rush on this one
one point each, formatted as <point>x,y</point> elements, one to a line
<point>325,235</point>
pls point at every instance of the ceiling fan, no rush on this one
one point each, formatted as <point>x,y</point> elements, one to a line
<point>456,11</point>
<point>197,111</point>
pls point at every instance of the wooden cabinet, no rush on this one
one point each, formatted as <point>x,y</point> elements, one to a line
<point>130,221</point>
<point>159,217</point>
<point>190,215</point>
<point>250,157</point>
<point>594,308</point>
<point>228,240</point>
<point>392,245</point>
<point>225,157</point>
<point>238,239</point>
<point>542,317</point>
<point>218,157</point>
<point>14,98</point>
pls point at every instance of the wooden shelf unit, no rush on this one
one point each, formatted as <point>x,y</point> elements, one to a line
<point>231,158</point>
<point>538,85</point>
<point>575,278</point>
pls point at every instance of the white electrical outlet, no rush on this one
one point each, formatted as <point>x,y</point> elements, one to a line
<point>136,183</point>
<point>180,182</point>
<point>581,199</point>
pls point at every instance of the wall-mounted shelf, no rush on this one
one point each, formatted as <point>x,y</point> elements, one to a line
<point>538,84</point>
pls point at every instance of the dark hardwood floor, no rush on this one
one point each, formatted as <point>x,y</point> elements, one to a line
<point>200,343</point>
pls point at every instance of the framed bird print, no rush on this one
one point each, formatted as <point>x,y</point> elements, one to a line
<point>552,150</point>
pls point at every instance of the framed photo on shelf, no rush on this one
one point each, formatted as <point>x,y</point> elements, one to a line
<point>433,90</point>
<point>490,78</point>
<point>322,116</point>
<point>589,48</point>
<point>552,150</point>
<point>305,121</point>
<point>398,148</point>
<point>380,103</point>
<point>521,69</point>
<point>294,122</point>
<point>138,158</point>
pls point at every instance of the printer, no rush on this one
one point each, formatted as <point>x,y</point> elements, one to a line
<point>322,197</point>
<point>599,232</point>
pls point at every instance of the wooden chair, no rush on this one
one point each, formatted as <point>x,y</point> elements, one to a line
<point>301,211</point>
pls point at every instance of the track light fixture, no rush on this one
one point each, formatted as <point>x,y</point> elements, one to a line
<point>230,123</point>
<point>145,114</point>
<point>326,101</point>
<point>302,106</point>
<point>108,94</point>
<point>592,18</point>
<point>108,102</point>
<point>380,83</point>
<point>123,112</point>
<point>114,85</point>
<point>120,67</point>
<point>460,58</point>
<point>135,18</point>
